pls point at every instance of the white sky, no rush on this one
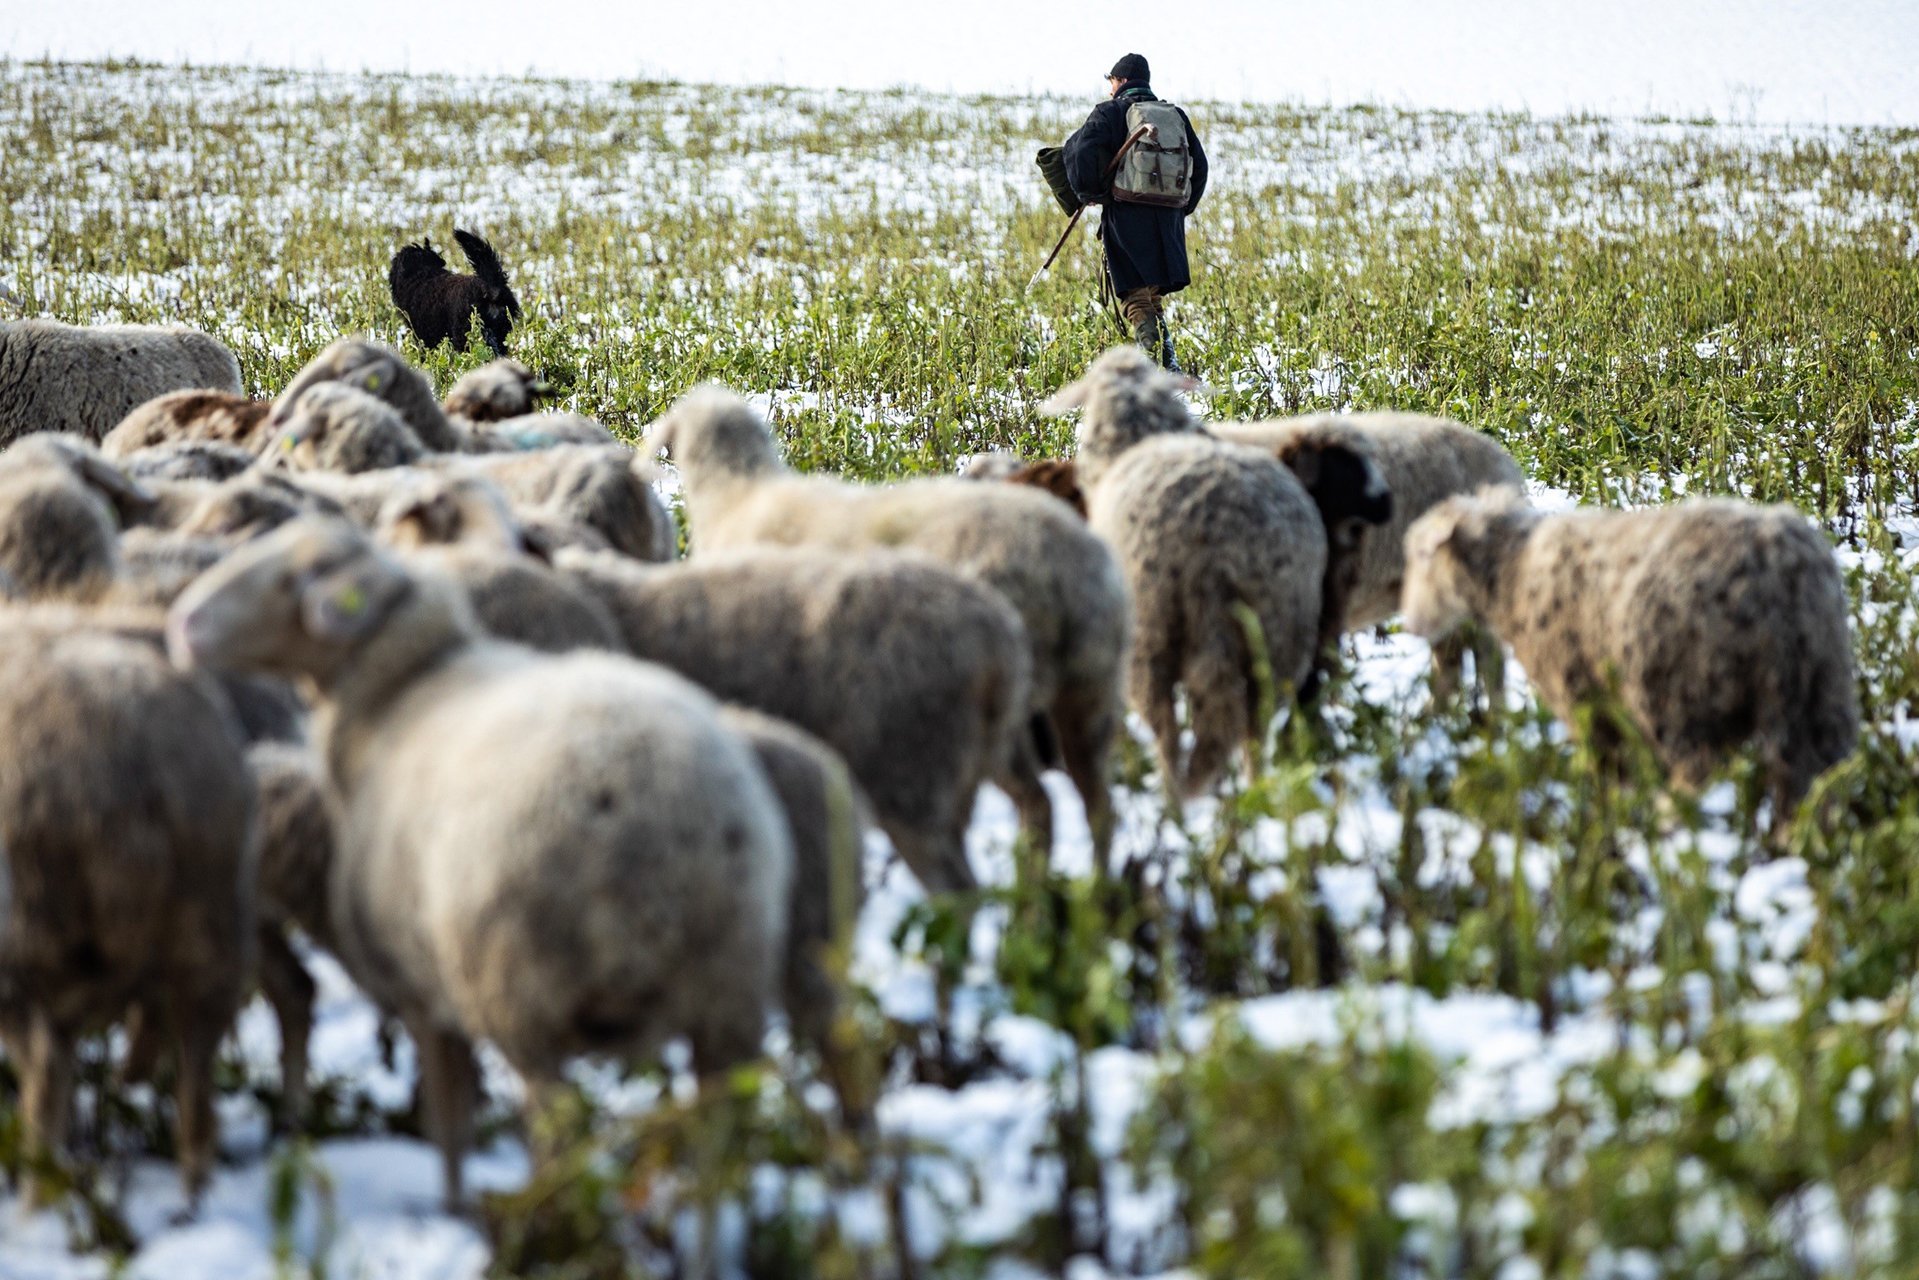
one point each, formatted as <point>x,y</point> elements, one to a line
<point>1837,61</point>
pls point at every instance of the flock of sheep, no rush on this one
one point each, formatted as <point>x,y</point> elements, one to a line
<point>428,681</point>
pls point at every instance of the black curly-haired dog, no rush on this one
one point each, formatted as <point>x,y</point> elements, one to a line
<point>439,304</point>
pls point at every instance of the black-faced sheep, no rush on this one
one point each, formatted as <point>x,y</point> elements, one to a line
<point>1717,622</point>
<point>563,855</point>
<point>1204,530</point>
<point>1423,461</point>
<point>1059,577</point>
<point>440,304</point>
<point>83,380</point>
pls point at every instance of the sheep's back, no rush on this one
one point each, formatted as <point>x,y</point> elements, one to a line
<point>1059,577</point>
<point>85,379</point>
<point>549,844</point>
<point>1199,524</point>
<point>124,815</point>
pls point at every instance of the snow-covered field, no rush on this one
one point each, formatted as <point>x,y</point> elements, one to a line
<point>671,233</point>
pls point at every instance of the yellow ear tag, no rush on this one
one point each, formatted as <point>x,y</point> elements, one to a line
<point>287,443</point>
<point>373,381</point>
<point>351,601</point>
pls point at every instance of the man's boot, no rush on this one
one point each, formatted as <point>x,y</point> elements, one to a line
<point>1148,333</point>
<point>1166,360</point>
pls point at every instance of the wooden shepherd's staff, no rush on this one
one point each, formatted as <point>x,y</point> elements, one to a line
<point>1141,132</point>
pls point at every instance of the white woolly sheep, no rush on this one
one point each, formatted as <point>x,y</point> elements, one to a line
<point>601,488</point>
<point>916,676</point>
<point>333,426</point>
<point>822,807</point>
<point>1059,577</point>
<point>381,371</point>
<point>187,460</point>
<point>563,855</point>
<point>125,816</point>
<point>1204,530</point>
<point>1339,476</point>
<point>497,390</point>
<point>61,509</point>
<point>384,372</point>
<point>1716,622</point>
<point>83,380</point>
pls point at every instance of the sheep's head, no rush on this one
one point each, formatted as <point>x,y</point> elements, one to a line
<point>454,509</point>
<point>1057,476</point>
<point>250,506</point>
<point>1452,555</point>
<point>497,390</point>
<point>1127,398</point>
<point>126,498</point>
<point>712,432</point>
<point>379,371</point>
<point>296,602</point>
<point>1345,484</point>
<point>334,426</point>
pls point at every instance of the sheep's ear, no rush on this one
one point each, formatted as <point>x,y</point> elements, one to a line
<point>658,438</point>
<point>129,497</point>
<point>537,543</point>
<point>1068,398</point>
<point>347,603</point>
<point>1304,459</point>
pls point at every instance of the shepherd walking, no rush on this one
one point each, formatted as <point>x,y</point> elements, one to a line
<point>1147,196</point>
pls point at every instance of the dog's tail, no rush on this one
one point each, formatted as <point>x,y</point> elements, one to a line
<point>486,265</point>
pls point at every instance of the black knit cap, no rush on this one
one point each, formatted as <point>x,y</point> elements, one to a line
<point>1131,67</point>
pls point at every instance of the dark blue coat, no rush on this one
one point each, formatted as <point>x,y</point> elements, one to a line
<point>1145,244</point>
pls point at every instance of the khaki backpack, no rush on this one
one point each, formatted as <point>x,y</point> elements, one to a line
<point>1158,169</point>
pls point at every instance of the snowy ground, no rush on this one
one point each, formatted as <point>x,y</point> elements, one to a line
<point>984,1174</point>
<point>376,1205</point>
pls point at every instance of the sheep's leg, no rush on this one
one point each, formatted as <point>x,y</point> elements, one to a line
<point>1217,694</point>
<point>193,1100</point>
<point>1088,720</point>
<point>289,989</point>
<point>1489,667</point>
<point>936,857</point>
<point>144,1043</point>
<point>44,1056</point>
<point>450,1083</point>
<point>1021,779</point>
<point>1150,680</point>
<point>1449,661</point>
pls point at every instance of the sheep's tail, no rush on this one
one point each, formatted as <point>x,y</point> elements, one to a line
<point>486,265</point>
